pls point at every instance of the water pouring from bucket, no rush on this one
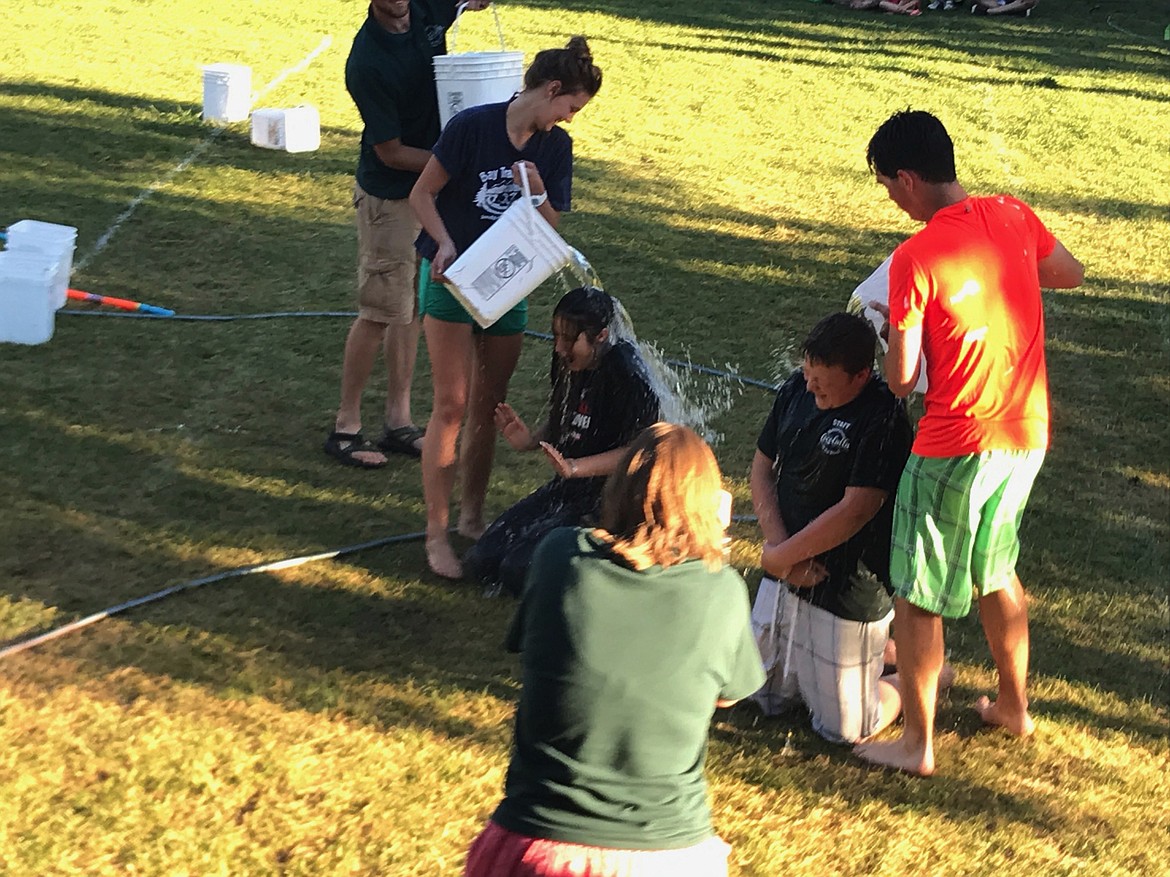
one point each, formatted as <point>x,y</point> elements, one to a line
<point>680,398</point>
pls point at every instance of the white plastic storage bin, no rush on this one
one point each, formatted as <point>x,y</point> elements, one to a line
<point>55,241</point>
<point>26,306</point>
<point>294,130</point>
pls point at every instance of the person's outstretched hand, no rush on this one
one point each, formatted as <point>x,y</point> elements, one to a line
<point>562,466</point>
<point>514,430</point>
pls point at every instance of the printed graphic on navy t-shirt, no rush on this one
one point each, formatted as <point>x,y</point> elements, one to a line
<point>497,191</point>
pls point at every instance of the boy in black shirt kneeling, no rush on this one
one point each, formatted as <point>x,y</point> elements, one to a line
<point>825,472</point>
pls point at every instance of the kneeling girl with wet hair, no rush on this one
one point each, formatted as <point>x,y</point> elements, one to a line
<point>601,400</point>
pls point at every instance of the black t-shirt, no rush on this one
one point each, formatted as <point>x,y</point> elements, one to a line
<point>817,454</point>
<point>602,408</point>
<point>391,80</point>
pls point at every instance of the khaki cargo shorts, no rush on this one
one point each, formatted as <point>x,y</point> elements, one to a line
<point>387,260</point>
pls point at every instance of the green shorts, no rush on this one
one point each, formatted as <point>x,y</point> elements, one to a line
<point>435,300</point>
<point>956,527</point>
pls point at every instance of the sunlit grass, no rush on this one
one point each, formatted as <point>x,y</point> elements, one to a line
<point>354,716</point>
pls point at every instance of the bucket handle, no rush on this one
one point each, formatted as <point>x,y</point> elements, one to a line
<point>527,194</point>
<point>454,31</point>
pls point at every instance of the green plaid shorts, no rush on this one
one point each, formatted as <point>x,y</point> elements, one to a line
<point>956,527</point>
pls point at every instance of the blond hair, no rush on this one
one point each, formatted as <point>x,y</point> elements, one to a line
<point>661,504</point>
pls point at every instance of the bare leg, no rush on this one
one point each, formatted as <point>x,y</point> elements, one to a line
<point>361,349</point>
<point>401,350</point>
<point>920,660</point>
<point>890,692</point>
<point>450,348</point>
<point>1004,614</point>
<point>495,360</point>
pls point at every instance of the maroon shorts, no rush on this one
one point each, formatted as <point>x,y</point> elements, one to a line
<point>498,852</point>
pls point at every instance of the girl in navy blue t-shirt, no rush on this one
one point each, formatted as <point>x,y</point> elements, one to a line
<point>464,188</point>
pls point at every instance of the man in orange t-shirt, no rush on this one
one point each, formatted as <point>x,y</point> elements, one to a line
<point>965,293</point>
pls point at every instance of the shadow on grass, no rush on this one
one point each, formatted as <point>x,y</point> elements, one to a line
<point>220,423</point>
<point>784,753</point>
<point>140,450</point>
<point>84,162</point>
<point>1072,36</point>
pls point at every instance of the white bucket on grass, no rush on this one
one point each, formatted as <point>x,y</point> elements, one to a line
<point>26,296</point>
<point>56,241</point>
<point>507,262</point>
<point>227,93</point>
<point>471,79</point>
<point>294,130</point>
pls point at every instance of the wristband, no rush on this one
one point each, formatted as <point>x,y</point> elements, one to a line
<point>537,200</point>
<point>572,468</point>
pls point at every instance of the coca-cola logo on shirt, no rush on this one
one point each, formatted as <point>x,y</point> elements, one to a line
<point>835,440</point>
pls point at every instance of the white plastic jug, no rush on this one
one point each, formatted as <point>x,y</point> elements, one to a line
<point>227,93</point>
<point>471,79</point>
<point>26,307</point>
<point>56,241</point>
<point>876,287</point>
<point>508,261</point>
<point>294,130</point>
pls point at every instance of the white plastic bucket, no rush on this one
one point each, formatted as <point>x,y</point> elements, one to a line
<point>26,306</point>
<point>56,241</point>
<point>876,287</point>
<point>471,79</point>
<point>507,262</point>
<point>227,93</point>
<point>294,130</point>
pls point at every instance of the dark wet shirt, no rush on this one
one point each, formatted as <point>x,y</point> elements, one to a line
<point>817,455</point>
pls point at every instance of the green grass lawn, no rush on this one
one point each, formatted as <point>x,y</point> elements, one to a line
<point>353,717</point>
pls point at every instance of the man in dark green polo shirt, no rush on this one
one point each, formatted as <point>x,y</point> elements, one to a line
<point>390,77</point>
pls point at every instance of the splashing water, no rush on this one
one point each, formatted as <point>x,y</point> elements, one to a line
<point>682,399</point>
<point>680,396</point>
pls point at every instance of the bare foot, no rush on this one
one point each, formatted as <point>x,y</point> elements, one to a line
<point>442,560</point>
<point>471,528</point>
<point>990,712</point>
<point>895,754</point>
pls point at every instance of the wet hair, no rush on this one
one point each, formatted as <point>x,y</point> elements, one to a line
<point>585,309</point>
<point>913,140</point>
<point>841,339</point>
<point>661,504</point>
<point>571,66</point>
